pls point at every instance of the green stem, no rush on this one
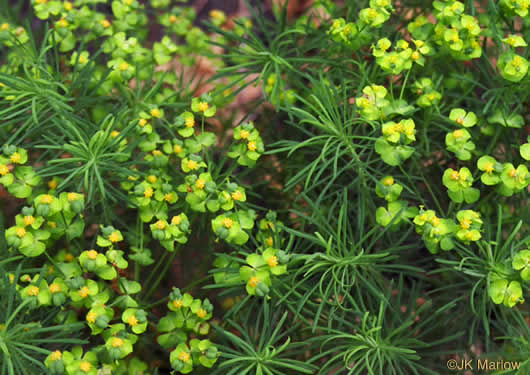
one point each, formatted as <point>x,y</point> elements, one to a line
<point>412,184</point>
<point>163,273</point>
<point>155,270</point>
<point>196,282</point>
<point>14,314</point>
<point>141,247</point>
<point>159,302</point>
<point>55,266</point>
<point>349,144</point>
<point>404,84</point>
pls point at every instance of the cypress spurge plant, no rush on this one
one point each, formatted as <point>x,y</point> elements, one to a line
<point>367,214</point>
<point>265,345</point>
<point>24,330</point>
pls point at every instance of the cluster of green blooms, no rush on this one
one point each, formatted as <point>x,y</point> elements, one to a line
<point>440,233</point>
<point>345,33</point>
<point>249,147</point>
<point>427,94</point>
<point>154,195</point>
<point>513,67</point>
<point>230,226</point>
<point>174,231</point>
<point>456,32</point>
<point>507,292</point>
<point>508,179</point>
<point>77,362</point>
<point>402,57</point>
<point>393,146</point>
<point>187,318</point>
<point>356,34</point>
<point>89,284</point>
<point>256,271</point>
<point>123,39</point>
<point>11,33</point>
<point>46,220</point>
<point>502,286</point>
<point>458,184</point>
<point>515,7</point>
<point>372,105</point>
<point>449,33</point>
<point>397,211</point>
<point>18,179</point>
<point>80,284</point>
<point>436,232</point>
<point>458,141</point>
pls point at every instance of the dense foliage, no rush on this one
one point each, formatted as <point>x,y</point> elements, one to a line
<point>367,213</point>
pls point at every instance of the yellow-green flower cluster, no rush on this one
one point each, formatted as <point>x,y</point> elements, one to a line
<point>456,32</point>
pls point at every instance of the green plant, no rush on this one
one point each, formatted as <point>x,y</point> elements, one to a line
<point>24,330</point>
<point>343,190</point>
<point>265,346</point>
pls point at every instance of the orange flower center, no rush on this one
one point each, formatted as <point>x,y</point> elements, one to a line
<point>114,237</point>
<point>465,223</point>
<point>190,122</point>
<point>148,192</point>
<point>46,199</point>
<point>92,254</point>
<point>272,261</point>
<point>3,170</point>
<point>117,342</point>
<point>237,195</point>
<point>252,146</point>
<point>227,223</point>
<point>85,366</point>
<point>132,321</point>
<point>56,355</point>
<point>203,106</point>
<point>21,232</point>
<point>389,181</point>
<point>84,292</point>
<point>253,282</point>
<point>91,317</point>
<point>200,183</point>
<point>161,225</point>
<point>192,164</point>
<point>55,288</point>
<point>184,357</point>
